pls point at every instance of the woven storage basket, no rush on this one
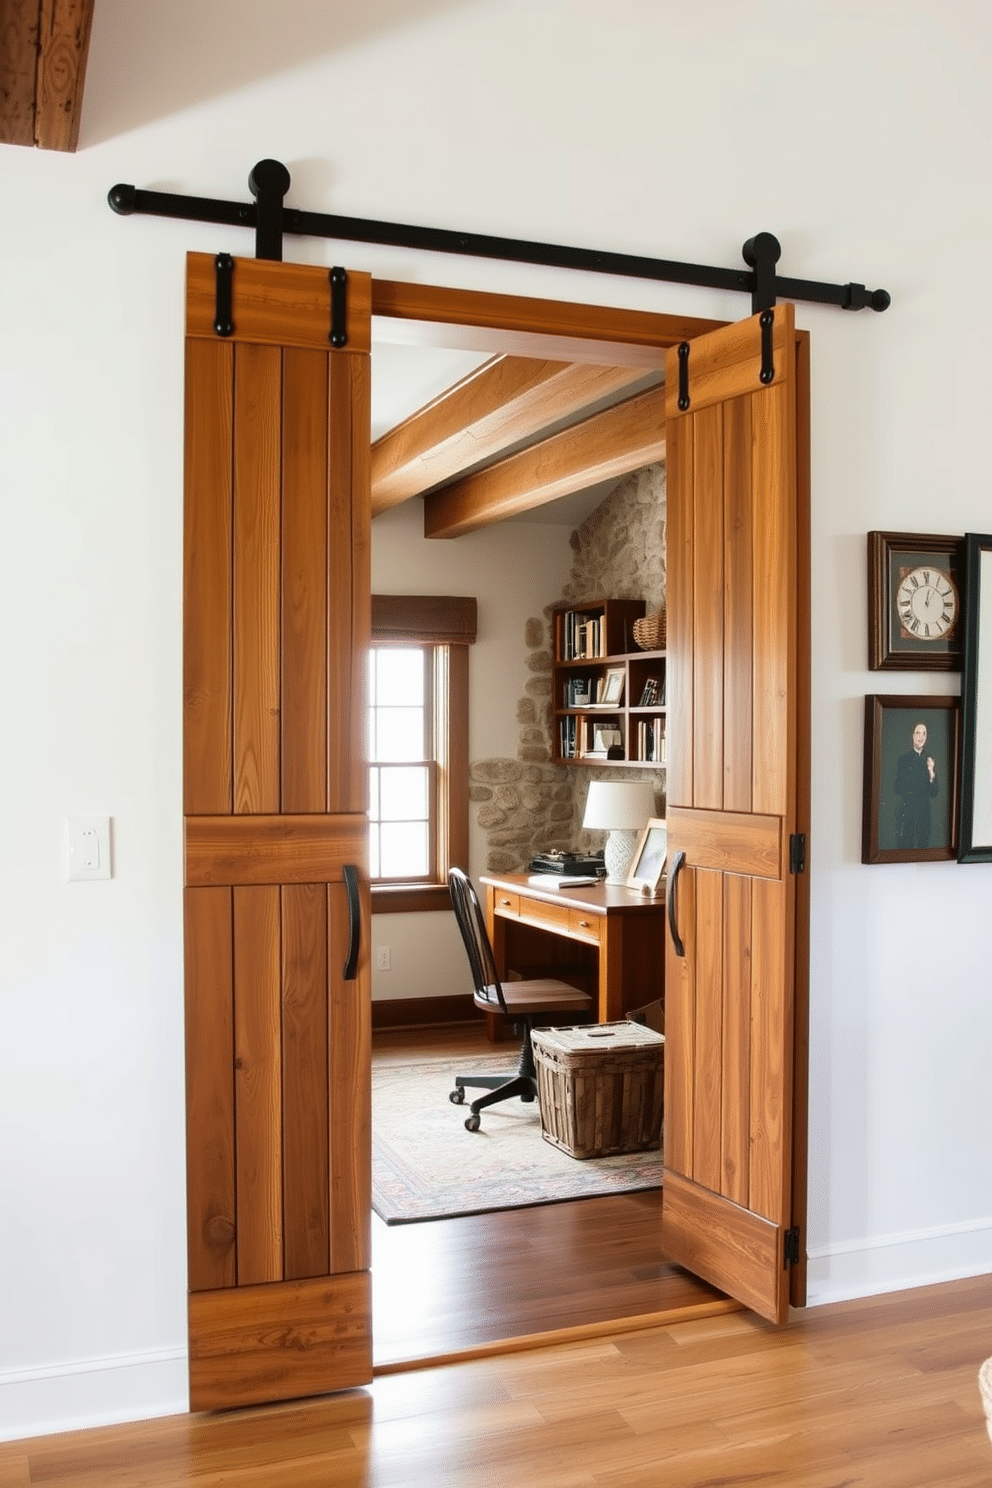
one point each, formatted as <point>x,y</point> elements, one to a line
<point>601,1087</point>
<point>650,633</point>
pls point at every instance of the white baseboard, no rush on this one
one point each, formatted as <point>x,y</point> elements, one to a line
<point>93,1392</point>
<point>893,1263</point>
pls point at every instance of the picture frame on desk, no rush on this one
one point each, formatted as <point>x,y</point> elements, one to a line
<point>649,858</point>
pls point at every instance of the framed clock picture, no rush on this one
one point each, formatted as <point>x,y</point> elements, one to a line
<point>914,602</point>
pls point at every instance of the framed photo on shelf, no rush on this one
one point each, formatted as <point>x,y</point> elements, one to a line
<point>611,695</point>
<point>975,826</point>
<point>649,857</point>
<point>914,602</point>
<point>910,800</point>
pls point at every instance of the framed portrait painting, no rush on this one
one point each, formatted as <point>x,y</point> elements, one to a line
<point>910,802</point>
<point>975,827</point>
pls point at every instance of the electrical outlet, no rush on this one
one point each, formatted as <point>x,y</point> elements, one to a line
<point>382,959</point>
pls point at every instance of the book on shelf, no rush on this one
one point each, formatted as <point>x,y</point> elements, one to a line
<point>652,744</point>
<point>583,636</point>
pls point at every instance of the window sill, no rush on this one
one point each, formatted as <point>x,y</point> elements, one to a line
<point>409,898</point>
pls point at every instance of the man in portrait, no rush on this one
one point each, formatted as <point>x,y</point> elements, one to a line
<point>916,786</point>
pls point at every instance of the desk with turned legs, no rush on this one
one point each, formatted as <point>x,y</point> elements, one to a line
<point>619,933</point>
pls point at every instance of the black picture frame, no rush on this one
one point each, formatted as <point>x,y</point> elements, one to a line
<point>908,825</point>
<point>891,647</point>
<point>975,825</point>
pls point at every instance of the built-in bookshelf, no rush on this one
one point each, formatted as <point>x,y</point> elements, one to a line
<point>610,700</point>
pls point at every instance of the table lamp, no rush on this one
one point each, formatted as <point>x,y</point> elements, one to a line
<point>621,808</point>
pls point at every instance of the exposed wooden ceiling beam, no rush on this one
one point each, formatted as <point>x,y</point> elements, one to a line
<point>43,50</point>
<point>623,438</point>
<point>498,405</point>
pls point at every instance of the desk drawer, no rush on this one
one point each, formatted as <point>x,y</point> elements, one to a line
<point>505,903</point>
<point>537,912</point>
<point>583,926</point>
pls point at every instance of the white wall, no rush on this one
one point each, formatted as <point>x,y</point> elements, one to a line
<point>513,570</point>
<point>860,135</point>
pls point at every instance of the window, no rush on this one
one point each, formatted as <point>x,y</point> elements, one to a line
<point>418,748</point>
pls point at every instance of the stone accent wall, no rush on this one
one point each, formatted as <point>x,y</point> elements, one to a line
<point>528,805</point>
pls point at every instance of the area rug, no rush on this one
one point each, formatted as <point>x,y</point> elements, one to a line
<point>425,1165</point>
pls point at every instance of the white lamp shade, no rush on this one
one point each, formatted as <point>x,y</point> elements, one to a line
<point>613,805</point>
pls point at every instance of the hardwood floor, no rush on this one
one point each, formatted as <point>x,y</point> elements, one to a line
<point>510,1279</point>
<point>880,1393</point>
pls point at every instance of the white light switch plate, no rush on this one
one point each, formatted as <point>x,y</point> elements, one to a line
<point>88,846</point>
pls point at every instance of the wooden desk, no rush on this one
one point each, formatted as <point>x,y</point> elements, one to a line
<point>623,931</point>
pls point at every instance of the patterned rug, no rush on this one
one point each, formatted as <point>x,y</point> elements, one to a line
<point>425,1165</point>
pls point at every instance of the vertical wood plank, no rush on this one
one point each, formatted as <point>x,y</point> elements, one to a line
<point>360,385</point>
<point>210,1187</point>
<point>304,581</point>
<point>306,1217</point>
<point>774,516</point>
<point>771,1055</point>
<point>680,1033</point>
<point>349,1060</point>
<point>738,744</point>
<point>708,1108</point>
<point>340,641</point>
<point>257,459</point>
<point>680,638</point>
<point>258,1096</point>
<point>736,1081</point>
<point>708,582</point>
<point>207,679</point>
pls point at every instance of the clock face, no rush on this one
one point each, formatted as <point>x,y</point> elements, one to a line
<point>927,603</point>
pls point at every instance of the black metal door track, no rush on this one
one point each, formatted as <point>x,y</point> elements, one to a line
<point>269,182</point>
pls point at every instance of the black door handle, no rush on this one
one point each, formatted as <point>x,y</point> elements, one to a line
<point>678,863</point>
<point>350,875</point>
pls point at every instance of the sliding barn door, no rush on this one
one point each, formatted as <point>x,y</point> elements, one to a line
<point>737,794</point>
<point>276,902</point>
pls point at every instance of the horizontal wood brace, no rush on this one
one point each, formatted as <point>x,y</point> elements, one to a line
<point>728,363</point>
<point>729,841</point>
<point>731,1247</point>
<point>279,1341</point>
<point>277,304</point>
<point>233,850</point>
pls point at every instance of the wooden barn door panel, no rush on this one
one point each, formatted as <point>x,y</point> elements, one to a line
<point>736,793</point>
<point>275,640</point>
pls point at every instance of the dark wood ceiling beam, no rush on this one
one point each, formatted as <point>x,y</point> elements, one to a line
<point>508,400</point>
<point>43,49</point>
<point>623,438</point>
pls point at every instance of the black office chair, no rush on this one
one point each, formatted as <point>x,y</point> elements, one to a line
<point>521,1001</point>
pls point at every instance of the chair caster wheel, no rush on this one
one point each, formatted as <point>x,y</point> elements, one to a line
<point>457,1097</point>
<point>473,1122</point>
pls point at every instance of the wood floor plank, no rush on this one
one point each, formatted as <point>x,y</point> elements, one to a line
<point>876,1393</point>
<point>826,1400</point>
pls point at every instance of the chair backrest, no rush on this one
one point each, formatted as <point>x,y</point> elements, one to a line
<point>472,924</point>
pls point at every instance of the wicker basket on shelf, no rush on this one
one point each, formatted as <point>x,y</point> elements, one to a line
<point>649,633</point>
